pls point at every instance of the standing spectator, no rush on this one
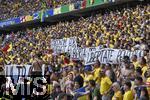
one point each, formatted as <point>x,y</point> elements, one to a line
<point>128,92</point>
<point>56,92</point>
<point>105,85</point>
<point>117,93</point>
<point>143,65</point>
<point>138,87</point>
<point>78,78</point>
<point>95,94</point>
<point>135,61</point>
<point>126,71</point>
<point>110,73</point>
<point>96,72</point>
<point>36,69</point>
<point>144,94</point>
<point>88,75</point>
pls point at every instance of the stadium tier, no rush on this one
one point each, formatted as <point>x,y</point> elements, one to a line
<point>16,8</point>
<point>104,56</point>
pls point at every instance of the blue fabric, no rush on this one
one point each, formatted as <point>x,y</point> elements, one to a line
<point>88,68</point>
<point>81,89</point>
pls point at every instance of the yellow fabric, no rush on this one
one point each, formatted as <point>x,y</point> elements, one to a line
<point>136,64</point>
<point>97,42</point>
<point>148,88</point>
<point>117,96</point>
<point>105,84</point>
<point>111,46</point>
<point>82,75</point>
<point>128,95</point>
<point>87,78</point>
<point>50,88</point>
<point>10,47</point>
<point>144,69</point>
<point>137,39</point>
<point>96,74</point>
<point>1,59</point>
<point>84,97</point>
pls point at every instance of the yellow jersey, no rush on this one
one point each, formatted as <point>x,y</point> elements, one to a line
<point>117,96</point>
<point>105,84</point>
<point>128,95</point>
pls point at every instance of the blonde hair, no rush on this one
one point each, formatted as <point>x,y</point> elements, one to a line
<point>117,86</point>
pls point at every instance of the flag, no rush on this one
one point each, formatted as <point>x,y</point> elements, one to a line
<point>64,9</point>
<point>36,16</point>
<point>41,15</point>
<point>10,47</point>
<point>82,89</point>
<point>71,7</point>
<point>7,48</point>
<point>57,10</point>
<point>22,19</point>
<point>50,12</point>
<point>83,4</point>
<point>92,2</point>
<point>78,5</point>
<point>29,18</point>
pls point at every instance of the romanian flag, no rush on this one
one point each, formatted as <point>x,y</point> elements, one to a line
<point>7,48</point>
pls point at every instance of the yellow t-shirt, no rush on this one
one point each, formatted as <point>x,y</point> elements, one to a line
<point>128,95</point>
<point>105,84</point>
<point>1,59</point>
<point>84,97</point>
<point>97,42</point>
<point>50,88</point>
<point>144,69</point>
<point>117,96</point>
<point>87,78</point>
<point>111,46</point>
<point>136,64</point>
<point>96,74</point>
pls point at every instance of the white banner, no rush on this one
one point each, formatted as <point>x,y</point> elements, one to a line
<point>71,44</point>
<point>113,56</point>
<point>63,45</point>
<point>81,53</point>
<point>91,54</point>
<point>59,45</point>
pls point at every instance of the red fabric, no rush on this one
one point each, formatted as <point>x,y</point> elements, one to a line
<point>84,4</point>
<point>66,61</point>
<point>4,49</point>
<point>148,83</point>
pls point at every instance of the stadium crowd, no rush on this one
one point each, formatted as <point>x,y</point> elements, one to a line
<point>64,78</point>
<point>16,8</point>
